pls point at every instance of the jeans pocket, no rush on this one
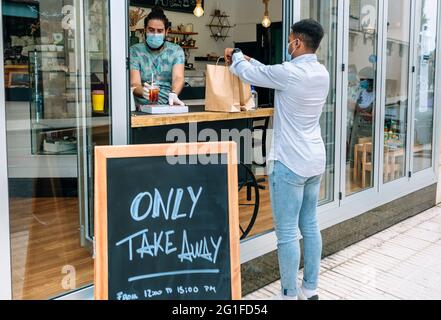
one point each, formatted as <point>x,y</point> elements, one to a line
<point>286,175</point>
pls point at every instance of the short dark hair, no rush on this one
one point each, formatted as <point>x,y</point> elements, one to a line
<point>310,31</point>
<point>157,13</point>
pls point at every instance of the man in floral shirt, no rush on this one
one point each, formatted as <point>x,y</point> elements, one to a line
<point>158,59</point>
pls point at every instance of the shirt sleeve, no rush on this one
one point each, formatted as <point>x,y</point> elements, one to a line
<point>179,57</point>
<point>256,73</point>
<point>256,63</point>
<point>135,63</point>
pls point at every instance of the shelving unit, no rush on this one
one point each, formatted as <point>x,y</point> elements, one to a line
<point>220,27</point>
<point>51,106</point>
<point>186,48</point>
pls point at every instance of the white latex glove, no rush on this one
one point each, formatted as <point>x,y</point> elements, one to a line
<point>146,91</point>
<point>173,100</point>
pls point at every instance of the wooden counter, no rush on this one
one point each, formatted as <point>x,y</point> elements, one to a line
<point>144,121</point>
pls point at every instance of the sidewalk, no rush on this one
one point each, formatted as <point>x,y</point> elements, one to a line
<point>403,262</point>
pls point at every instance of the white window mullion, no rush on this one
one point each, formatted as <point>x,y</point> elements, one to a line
<point>381,101</point>
<point>5,246</point>
<point>119,88</point>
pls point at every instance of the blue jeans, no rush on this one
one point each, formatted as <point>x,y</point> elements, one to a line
<point>294,201</point>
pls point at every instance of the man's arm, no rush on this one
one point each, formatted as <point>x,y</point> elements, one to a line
<point>178,78</point>
<point>135,74</point>
<point>254,72</point>
<point>136,82</point>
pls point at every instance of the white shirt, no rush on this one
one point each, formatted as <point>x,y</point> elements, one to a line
<point>302,87</point>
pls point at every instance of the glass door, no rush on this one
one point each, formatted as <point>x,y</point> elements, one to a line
<point>56,64</point>
<point>361,97</point>
<point>95,112</point>
<point>326,12</point>
<point>424,97</point>
<point>396,93</point>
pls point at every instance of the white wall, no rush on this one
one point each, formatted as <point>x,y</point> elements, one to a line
<point>249,13</point>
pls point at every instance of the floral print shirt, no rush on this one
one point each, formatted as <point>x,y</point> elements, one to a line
<point>160,64</point>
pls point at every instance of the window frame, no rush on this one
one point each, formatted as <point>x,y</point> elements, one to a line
<point>5,246</point>
<point>392,185</point>
<point>436,112</point>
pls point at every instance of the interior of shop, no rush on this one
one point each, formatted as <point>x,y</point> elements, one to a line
<point>224,24</point>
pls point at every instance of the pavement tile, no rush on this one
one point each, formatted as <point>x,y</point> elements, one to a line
<point>386,235</point>
<point>430,226</point>
<point>370,243</point>
<point>394,250</point>
<point>423,234</point>
<point>378,261</point>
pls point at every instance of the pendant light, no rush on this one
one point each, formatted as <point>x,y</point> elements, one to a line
<point>266,22</point>
<point>198,11</point>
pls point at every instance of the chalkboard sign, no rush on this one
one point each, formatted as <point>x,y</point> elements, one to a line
<point>186,6</point>
<point>167,224</point>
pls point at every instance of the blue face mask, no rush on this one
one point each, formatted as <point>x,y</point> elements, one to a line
<point>155,41</point>
<point>364,84</point>
<point>288,55</point>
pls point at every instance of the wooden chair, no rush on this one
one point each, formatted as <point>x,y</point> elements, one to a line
<point>393,163</point>
<point>365,148</point>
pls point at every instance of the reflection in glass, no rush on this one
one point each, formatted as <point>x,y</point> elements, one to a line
<point>326,12</point>
<point>397,89</point>
<point>51,125</point>
<point>362,93</point>
<point>425,88</point>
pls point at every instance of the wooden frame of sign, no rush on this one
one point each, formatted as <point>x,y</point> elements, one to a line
<point>103,154</point>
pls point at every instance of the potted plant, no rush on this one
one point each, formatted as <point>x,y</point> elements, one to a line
<point>136,15</point>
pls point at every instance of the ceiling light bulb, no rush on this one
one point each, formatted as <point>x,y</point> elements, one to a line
<point>198,11</point>
<point>266,22</point>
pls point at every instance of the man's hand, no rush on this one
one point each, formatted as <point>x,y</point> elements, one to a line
<point>173,100</point>
<point>229,55</point>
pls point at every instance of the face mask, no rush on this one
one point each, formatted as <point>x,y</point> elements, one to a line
<point>289,54</point>
<point>155,41</point>
<point>364,84</point>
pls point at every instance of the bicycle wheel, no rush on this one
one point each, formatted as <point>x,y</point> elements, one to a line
<point>249,202</point>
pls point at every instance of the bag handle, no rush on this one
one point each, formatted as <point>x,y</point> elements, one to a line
<point>219,59</point>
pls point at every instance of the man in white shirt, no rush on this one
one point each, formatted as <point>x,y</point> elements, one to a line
<point>298,154</point>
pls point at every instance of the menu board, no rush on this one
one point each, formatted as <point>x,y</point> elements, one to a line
<point>167,223</point>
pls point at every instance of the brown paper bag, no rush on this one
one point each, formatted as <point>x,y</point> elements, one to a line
<point>224,92</point>
<point>246,98</point>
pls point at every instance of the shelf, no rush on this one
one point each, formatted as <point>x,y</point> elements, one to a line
<point>188,47</point>
<point>220,37</point>
<point>219,16</point>
<point>219,26</point>
<point>16,66</point>
<point>183,33</point>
